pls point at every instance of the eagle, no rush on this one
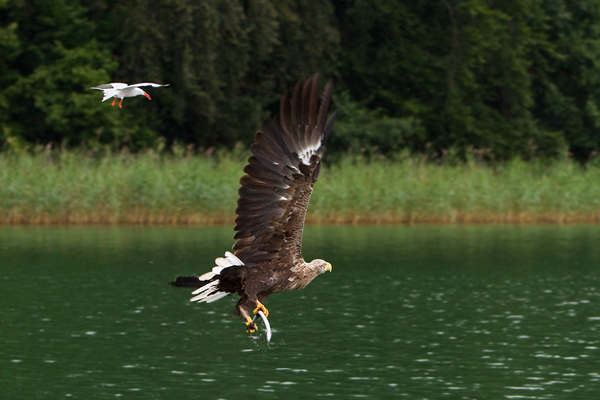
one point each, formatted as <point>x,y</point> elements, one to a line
<point>273,199</point>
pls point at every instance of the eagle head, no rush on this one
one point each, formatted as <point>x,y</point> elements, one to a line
<point>319,266</point>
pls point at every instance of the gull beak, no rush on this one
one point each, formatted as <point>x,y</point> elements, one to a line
<point>148,96</point>
<point>328,267</point>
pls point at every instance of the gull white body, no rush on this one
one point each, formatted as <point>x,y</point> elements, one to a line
<point>120,90</point>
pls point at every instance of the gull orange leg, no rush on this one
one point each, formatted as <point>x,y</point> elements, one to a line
<point>113,103</point>
<point>121,104</point>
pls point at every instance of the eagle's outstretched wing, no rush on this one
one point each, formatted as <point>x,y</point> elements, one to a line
<point>280,177</point>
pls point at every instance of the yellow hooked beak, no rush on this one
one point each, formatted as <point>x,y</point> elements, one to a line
<point>328,267</point>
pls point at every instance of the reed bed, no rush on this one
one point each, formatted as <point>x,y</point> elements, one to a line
<point>73,187</point>
<point>414,191</point>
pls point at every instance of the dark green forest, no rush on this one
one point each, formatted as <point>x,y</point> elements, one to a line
<point>445,78</point>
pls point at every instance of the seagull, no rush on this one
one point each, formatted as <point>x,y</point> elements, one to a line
<point>122,90</point>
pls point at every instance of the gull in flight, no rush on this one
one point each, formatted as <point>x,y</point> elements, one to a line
<point>122,90</point>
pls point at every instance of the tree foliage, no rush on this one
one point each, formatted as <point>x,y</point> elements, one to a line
<point>227,60</point>
<point>462,68</point>
<point>514,78</point>
<point>567,93</point>
<point>49,58</point>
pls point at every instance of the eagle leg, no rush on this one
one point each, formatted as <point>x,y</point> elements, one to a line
<point>250,325</point>
<point>260,307</point>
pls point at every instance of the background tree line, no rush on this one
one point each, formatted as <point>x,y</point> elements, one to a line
<point>501,79</point>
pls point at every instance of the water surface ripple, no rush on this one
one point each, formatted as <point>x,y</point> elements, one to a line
<point>427,312</point>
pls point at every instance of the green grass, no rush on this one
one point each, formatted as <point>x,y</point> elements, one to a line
<point>412,191</point>
<point>73,187</point>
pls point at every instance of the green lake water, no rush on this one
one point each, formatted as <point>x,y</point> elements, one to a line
<point>426,312</point>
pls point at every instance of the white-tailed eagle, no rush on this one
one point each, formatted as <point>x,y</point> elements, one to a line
<point>273,199</point>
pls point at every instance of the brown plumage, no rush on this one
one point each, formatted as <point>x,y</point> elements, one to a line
<point>273,199</point>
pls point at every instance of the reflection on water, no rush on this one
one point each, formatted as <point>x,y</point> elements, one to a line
<point>416,312</point>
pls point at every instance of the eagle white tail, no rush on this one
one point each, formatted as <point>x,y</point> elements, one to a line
<point>210,292</point>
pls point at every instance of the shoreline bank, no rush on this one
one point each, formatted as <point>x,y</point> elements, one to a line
<point>200,220</point>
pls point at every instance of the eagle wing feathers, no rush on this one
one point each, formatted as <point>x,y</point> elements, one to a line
<point>280,176</point>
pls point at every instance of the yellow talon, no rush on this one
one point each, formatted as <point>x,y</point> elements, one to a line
<point>261,307</point>
<point>250,327</point>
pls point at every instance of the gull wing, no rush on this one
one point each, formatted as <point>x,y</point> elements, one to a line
<point>148,84</point>
<point>116,85</point>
